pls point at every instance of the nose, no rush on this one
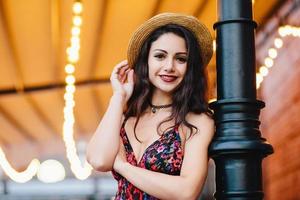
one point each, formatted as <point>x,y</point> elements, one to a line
<point>169,65</point>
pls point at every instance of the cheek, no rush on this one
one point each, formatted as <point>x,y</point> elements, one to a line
<point>153,66</point>
<point>182,69</point>
<point>151,69</point>
<point>152,62</point>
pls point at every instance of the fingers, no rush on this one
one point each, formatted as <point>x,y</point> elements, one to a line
<point>130,76</point>
<point>119,71</point>
<point>122,75</point>
<point>119,66</point>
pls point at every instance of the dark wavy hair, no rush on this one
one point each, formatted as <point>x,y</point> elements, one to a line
<point>191,95</point>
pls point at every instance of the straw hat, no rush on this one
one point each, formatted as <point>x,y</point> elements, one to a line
<point>189,22</point>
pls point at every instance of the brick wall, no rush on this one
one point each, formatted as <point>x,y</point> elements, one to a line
<point>281,121</point>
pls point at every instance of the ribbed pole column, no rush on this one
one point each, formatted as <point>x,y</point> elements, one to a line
<point>237,148</point>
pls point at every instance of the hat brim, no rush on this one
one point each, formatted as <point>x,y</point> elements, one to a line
<point>191,23</point>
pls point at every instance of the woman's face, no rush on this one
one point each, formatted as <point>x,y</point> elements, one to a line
<point>167,62</point>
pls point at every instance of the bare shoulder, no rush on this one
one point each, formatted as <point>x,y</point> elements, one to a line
<point>204,123</point>
<point>200,118</point>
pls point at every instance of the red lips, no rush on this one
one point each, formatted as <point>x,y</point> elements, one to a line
<point>168,78</point>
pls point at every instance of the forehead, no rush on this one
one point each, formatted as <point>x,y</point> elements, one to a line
<point>169,42</point>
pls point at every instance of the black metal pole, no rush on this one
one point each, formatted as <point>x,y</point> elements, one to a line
<point>237,148</point>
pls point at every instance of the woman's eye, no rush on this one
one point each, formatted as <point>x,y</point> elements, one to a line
<point>159,56</point>
<point>181,59</point>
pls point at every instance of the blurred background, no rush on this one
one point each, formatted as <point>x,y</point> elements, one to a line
<point>56,57</point>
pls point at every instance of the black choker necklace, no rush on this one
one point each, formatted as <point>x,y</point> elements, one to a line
<point>154,108</point>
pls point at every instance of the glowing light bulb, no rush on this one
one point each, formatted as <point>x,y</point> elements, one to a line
<point>75,31</point>
<point>70,79</point>
<point>73,58</point>
<point>278,43</point>
<point>70,88</point>
<point>77,7</point>
<point>282,31</point>
<point>69,68</point>
<point>263,71</point>
<point>272,53</point>
<point>77,21</point>
<point>259,78</point>
<point>75,40</point>
<point>269,62</point>
<point>257,85</point>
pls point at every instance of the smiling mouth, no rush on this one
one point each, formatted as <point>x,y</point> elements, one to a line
<point>168,78</point>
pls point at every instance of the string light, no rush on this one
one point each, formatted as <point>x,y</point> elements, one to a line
<point>283,31</point>
<point>269,62</point>
<point>278,43</point>
<point>80,172</point>
<point>77,21</point>
<point>69,69</point>
<point>77,8</point>
<point>272,53</point>
<point>72,57</point>
<point>75,31</point>
<point>20,177</point>
<point>263,71</point>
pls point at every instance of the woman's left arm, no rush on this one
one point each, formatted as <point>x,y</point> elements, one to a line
<point>193,171</point>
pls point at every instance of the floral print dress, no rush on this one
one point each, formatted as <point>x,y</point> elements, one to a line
<point>165,155</point>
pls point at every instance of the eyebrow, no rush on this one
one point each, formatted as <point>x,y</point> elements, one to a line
<point>167,52</point>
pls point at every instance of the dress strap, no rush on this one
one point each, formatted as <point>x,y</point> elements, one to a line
<point>122,129</point>
<point>124,122</point>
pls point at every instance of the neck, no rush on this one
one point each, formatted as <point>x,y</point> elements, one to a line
<point>155,108</point>
<point>160,101</point>
<point>160,98</point>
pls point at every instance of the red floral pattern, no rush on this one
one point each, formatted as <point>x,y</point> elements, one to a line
<point>165,155</point>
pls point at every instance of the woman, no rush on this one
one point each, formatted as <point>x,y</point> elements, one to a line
<point>155,134</point>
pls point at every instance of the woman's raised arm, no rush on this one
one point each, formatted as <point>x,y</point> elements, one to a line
<point>104,144</point>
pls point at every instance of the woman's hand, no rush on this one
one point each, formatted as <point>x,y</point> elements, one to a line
<point>122,80</point>
<point>120,159</point>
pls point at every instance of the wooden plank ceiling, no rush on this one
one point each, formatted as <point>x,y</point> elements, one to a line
<point>34,35</point>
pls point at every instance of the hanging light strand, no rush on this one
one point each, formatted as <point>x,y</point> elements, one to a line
<point>264,69</point>
<point>80,172</point>
<point>20,177</point>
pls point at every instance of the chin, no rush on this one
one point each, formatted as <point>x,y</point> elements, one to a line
<point>166,90</point>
